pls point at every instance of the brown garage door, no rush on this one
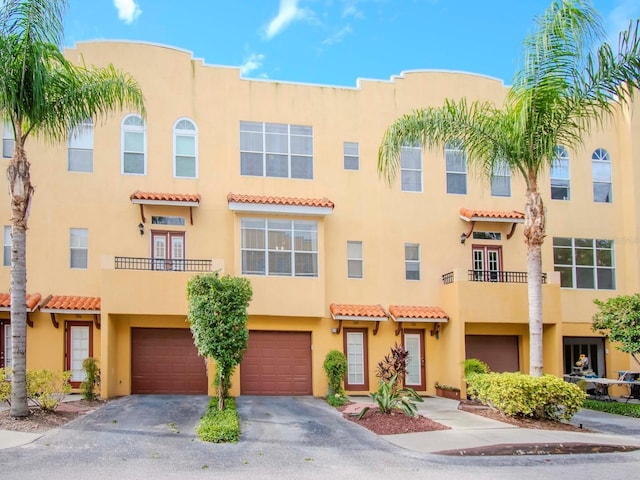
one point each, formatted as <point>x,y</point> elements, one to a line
<point>500,352</point>
<point>277,363</point>
<point>165,360</point>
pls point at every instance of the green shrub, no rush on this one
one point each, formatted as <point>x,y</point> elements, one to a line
<point>220,426</point>
<point>335,366</point>
<point>389,398</point>
<point>516,394</point>
<point>337,399</point>
<point>5,385</point>
<point>91,384</point>
<point>473,365</point>
<point>617,408</point>
<point>45,388</point>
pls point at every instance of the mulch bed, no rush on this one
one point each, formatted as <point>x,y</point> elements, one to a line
<point>394,423</point>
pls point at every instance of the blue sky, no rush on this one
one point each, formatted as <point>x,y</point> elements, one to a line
<point>332,42</point>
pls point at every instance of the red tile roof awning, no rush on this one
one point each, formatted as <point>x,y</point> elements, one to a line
<point>358,312</point>
<point>403,313</point>
<point>153,198</point>
<point>71,304</point>
<point>469,215</point>
<point>279,205</point>
<point>32,301</point>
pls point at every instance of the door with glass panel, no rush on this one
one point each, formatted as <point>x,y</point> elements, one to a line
<point>168,250</point>
<point>355,349</point>
<point>414,344</point>
<point>79,346</point>
<point>5,344</point>
<point>487,263</point>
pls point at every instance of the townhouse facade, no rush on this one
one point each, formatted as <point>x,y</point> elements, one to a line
<point>278,182</point>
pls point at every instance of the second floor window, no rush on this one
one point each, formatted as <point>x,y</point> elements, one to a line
<point>501,179</point>
<point>411,168</point>
<point>79,248</point>
<point>6,253</point>
<point>585,263</point>
<point>351,152</point>
<point>185,148</point>
<point>560,180</point>
<point>276,150</point>
<point>279,247</point>
<point>133,145</point>
<point>412,261</point>
<point>456,163</point>
<point>354,260</point>
<point>80,150</point>
<point>601,172</point>
<point>7,140</point>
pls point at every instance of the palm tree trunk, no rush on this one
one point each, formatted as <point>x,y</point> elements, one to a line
<point>20,191</point>
<point>534,231</point>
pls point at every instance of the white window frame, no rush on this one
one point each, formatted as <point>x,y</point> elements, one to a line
<point>81,141</point>
<point>78,241</point>
<point>411,261</point>
<point>132,128</point>
<point>180,130</point>
<point>601,163</point>
<point>576,248</point>
<point>8,139</point>
<point>356,351</point>
<point>409,170</point>
<point>450,149</point>
<point>560,173</point>
<point>351,154</point>
<point>501,179</point>
<point>7,244</point>
<point>355,259</point>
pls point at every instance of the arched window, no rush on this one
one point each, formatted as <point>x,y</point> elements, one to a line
<point>456,164</point>
<point>134,145</point>
<point>601,173</point>
<point>80,151</point>
<point>560,180</point>
<point>185,149</point>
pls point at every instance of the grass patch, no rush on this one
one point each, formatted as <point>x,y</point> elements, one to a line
<point>220,426</point>
<point>617,408</point>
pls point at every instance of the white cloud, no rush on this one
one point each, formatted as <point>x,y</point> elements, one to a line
<point>337,37</point>
<point>288,13</point>
<point>254,62</point>
<point>128,10</point>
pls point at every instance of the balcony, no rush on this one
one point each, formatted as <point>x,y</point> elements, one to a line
<point>492,276</point>
<point>174,265</point>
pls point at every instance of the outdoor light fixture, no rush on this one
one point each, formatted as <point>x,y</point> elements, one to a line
<point>463,238</point>
<point>141,228</point>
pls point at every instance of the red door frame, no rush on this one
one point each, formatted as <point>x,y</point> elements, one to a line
<point>365,354</point>
<point>67,344</point>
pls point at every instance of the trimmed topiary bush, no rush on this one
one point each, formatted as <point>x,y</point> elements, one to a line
<point>220,426</point>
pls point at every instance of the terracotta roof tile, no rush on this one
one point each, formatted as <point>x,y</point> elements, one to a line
<point>417,312</point>
<point>470,214</point>
<point>59,302</point>
<point>268,200</point>
<point>165,197</point>
<point>32,300</point>
<point>349,310</point>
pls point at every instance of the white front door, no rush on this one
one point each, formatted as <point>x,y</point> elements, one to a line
<point>78,350</point>
<point>414,377</point>
<point>6,347</point>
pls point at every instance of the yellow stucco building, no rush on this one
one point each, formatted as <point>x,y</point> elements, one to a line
<point>277,182</point>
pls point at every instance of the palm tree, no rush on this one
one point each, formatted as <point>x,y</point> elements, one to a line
<point>42,94</point>
<point>563,90</point>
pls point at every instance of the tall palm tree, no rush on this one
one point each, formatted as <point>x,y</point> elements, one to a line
<point>42,94</point>
<point>563,90</point>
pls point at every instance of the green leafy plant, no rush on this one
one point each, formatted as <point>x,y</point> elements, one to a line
<point>89,387</point>
<point>388,398</point>
<point>335,366</point>
<point>619,318</point>
<point>617,408</point>
<point>219,426</point>
<point>442,386</point>
<point>45,388</point>
<point>393,365</point>
<point>474,366</point>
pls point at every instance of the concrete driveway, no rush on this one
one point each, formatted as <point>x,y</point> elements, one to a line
<point>140,437</point>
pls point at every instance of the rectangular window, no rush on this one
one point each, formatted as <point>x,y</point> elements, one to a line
<point>79,246</point>
<point>168,250</point>
<point>351,156</point>
<point>279,247</point>
<point>80,151</point>
<point>456,165</point>
<point>584,263</point>
<point>487,236</point>
<point>276,150</point>
<point>6,254</point>
<point>354,260</point>
<point>411,168</point>
<point>7,140</point>
<point>412,261</point>
<point>167,220</point>
<point>560,178</point>
<point>355,348</point>
<point>501,180</point>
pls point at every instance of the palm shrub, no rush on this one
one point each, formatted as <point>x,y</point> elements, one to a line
<point>390,398</point>
<point>89,386</point>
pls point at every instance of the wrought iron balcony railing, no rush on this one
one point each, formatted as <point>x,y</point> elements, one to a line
<point>492,276</point>
<point>173,265</point>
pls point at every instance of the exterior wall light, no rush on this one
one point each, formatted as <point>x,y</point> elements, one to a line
<point>141,228</point>
<point>463,238</point>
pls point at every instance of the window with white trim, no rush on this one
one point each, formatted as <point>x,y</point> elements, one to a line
<point>134,145</point>
<point>355,268</point>
<point>601,173</point>
<point>351,151</point>
<point>79,248</point>
<point>276,150</point>
<point>185,149</point>
<point>560,178</point>
<point>456,165</point>
<point>279,247</point>
<point>6,253</point>
<point>8,141</point>
<point>501,179</point>
<point>412,261</point>
<point>80,147</point>
<point>411,168</point>
<point>585,263</point>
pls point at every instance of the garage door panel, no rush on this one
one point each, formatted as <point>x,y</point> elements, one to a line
<point>277,363</point>
<point>500,352</point>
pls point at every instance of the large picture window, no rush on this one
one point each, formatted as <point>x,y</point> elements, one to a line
<point>585,263</point>
<point>276,150</point>
<point>279,247</point>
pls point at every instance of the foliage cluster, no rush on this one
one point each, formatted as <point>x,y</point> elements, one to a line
<point>442,386</point>
<point>218,322</point>
<point>91,384</point>
<point>619,318</point>
<point>393,365</point>
<point>516,394</point>
<point>617,408</point>
<point>335,366</point>
<point>45,388</point>
<point>474,365</point>
<point>389,398</point>
<point>220,426</point>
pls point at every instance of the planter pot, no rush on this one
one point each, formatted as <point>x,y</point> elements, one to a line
<point>453,394</point>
